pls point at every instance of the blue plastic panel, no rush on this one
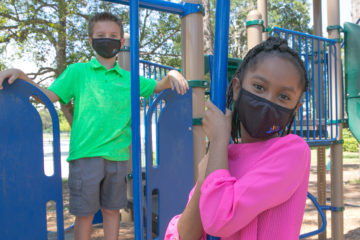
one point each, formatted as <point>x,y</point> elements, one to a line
<point>172,177</point>
<point>25,189</point>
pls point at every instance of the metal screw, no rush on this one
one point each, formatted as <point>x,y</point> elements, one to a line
<point>190,128</point>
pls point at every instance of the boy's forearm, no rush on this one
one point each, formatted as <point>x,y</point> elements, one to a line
<point>162,84</point>
<point>50,94</point>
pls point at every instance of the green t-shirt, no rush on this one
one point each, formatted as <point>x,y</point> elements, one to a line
<point>101,124</point>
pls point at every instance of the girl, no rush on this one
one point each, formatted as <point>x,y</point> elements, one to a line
<point>254,189</point>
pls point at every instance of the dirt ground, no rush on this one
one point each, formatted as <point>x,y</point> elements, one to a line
<point>351,213</point>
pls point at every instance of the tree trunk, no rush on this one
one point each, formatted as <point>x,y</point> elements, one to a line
<point>208,32</point>
<point>67,109</point>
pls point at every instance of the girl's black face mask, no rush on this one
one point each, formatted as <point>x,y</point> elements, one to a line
<point>106,47</point>
<point>260,117</point>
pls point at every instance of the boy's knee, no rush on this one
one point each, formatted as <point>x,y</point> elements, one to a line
<point>109,212</point>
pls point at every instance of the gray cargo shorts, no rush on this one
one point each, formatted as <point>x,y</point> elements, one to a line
<point>96,183</point>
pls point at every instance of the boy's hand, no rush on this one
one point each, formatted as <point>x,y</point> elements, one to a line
<point>178,82</point>
<point>216,124</point>
<point>12,74</point>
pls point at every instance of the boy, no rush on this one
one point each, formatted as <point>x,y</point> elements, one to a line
<point>101,132</point>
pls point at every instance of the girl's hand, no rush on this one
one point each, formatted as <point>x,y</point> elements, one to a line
<point>178,82</point>
<point>216,124</point>
<point>12,74</point>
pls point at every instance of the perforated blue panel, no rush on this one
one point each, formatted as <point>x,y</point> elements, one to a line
<point>25,189</point>
<point>173,177</point>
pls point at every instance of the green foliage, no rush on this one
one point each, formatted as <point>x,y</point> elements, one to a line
<point>160,38</point>
<point>63,123</point>
<point>46,119</point>
<point>2,66</point>
<point>350,143</point>
<point>53,32</point>
<point>287,14</point>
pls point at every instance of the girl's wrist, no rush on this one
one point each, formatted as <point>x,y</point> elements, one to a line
<point>220,140</point>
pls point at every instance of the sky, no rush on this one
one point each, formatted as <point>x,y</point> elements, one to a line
<point>345,16</point>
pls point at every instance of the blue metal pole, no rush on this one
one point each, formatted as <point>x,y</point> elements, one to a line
<point>181,9</point>
<point>219,80</point>
<point>135,117</point>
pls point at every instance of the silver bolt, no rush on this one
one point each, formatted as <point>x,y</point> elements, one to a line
<point>190,128</point>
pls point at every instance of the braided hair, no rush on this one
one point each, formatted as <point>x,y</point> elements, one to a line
<point>273,46</point>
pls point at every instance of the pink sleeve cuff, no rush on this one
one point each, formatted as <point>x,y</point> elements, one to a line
<point>220,173</point>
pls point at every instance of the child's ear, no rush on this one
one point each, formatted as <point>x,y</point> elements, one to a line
<point>235,87</point>
<point>90,41</point>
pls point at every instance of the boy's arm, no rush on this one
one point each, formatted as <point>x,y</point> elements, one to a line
<point>13,74</point>
<point>173,80</point>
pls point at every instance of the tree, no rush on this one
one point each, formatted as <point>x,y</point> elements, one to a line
<point>53,31</point>
<point>285,13</point>
<point>160,38</point>
<point>208,29</point>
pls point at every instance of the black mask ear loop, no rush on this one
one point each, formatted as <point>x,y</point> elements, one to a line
<point>291,119</point>
<point>236,131</point>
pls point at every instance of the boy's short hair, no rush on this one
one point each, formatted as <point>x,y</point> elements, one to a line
<point>104,16</point>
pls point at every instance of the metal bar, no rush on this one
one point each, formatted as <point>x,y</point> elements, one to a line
<point>330,91</point>
<point>135,118</point>
<point>325,88</point>
<point>322,215</point>
<point>219,82</point>
<point>307,93</point>
<point>319,87</point>
<point>157,65</point>
<point>336,92</point>
<point>158,5</point>
<point>303,34</point>
<point>313,86</point>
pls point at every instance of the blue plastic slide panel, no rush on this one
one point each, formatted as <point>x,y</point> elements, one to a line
<point>25,189</point>
<point>172,177</point>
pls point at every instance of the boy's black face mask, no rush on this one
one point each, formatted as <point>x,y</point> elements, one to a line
<point>106,47</point>
<point>260,117</point>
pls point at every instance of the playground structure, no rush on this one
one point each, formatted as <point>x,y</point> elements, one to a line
<point>320,121</point>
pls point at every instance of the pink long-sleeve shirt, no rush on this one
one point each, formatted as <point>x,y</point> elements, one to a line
<point>262,195</point>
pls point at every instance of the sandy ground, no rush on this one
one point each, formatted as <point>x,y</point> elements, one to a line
<point>351,213</point>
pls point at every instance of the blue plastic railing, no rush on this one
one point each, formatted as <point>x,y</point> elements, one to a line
<point>154,71</point>
<point>317,120</point>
